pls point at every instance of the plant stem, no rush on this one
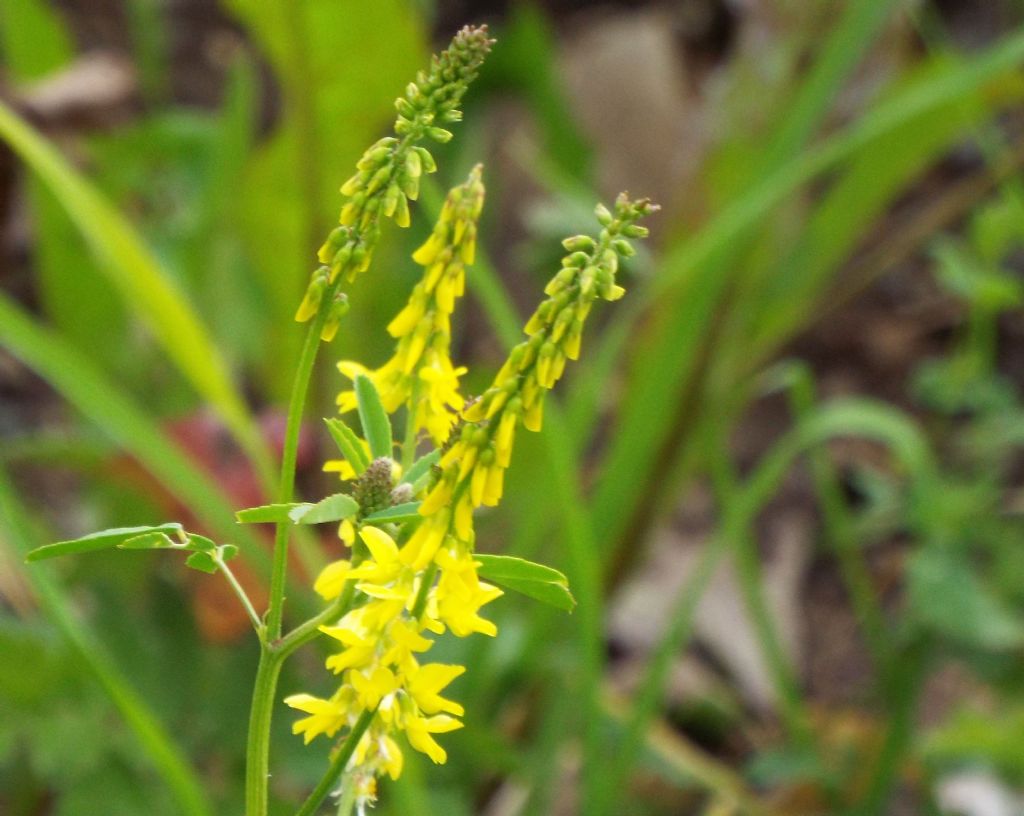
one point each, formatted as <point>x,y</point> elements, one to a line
<point>286,485</point>
<point>409,441</point>
<point>239,590</point>
<point>257,758</point>
<point>347,799</point>
<point>337,764</point>
<point>257,764</point>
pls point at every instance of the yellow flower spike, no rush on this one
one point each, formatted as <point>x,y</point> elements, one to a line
<point>422,326</point>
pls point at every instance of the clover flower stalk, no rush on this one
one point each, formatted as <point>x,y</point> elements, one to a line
<point>414,581</point>
<point>386,179</point>
<point>412,573</point>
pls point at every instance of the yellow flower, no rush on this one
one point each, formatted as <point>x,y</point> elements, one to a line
<point>424,686</point>
<point>418,731</point>
<point>325,716</point>
<point>331,580</point>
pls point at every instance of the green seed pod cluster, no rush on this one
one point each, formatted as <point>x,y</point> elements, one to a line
<point>373,489</point>
<point>556,327</point>
<point>388,174</point>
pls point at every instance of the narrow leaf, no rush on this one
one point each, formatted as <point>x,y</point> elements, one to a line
<point>266,513</point>
<point>421,467</point>
<point>409,511</point>
<point>333,508</point>
<point>534,580</point>
<point>349,444</point>
<point>376,425</point>
<point>98,541</point>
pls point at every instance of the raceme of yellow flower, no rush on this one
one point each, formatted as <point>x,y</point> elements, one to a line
<point>473,468</point>
<point>379,646</point>
<point>420,374</point>
<point>388,174</point>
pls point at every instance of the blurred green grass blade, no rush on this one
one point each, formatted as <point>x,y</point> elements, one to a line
<point>841,418</point>
<point>78,380</point>
<point>35,43</point>
<point>851,207</point>
<point>153,738</point>
<point>341,63</point>
<point>526,62</point>
<point>34,39</point>
<point>138,276</point>
<point>674,345</point>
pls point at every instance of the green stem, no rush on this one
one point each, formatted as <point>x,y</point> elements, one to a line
<point>239,591</point>
<point>257,759</point>
<point>286,485</point>
<point>748,570</point>
<point>337,765</point>
<point>424,592</point>
<point>257,765</point>
<point>409,441</point>
<point>304,633</point>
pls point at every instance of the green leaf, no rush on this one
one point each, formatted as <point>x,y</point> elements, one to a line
<point>333,508</point>
<point>421,467</point>
<point>267,513</point>
<point>98,541</point>
<point>349,444</point>
<point>227,551</point>
<point>947,596</point>
<point>376,425</point>
<point>409,511</point>
<point>202,561</point>
<point>534,580</point>
<point>151,541</point>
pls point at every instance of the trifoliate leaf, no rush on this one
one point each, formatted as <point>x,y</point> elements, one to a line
<point>99,541</point>
<point>350,445</point>
<point>376,425</point>
<point>267,513</point>
<point>400,513</point>
<point>334,508</point>
<point>534,580</point>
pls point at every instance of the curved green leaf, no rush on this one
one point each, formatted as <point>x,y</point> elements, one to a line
<point>334,508</point>
<point>103,540</point>
<point>528,578</point>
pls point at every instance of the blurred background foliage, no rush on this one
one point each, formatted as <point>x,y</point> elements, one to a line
<point>785,480</point>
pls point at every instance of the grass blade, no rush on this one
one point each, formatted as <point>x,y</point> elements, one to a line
<point>153,738</point>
